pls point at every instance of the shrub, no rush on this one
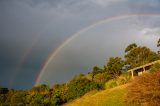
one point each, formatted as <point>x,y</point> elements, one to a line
<point>121,80</point>
<point>154,68</point>
<point>18,98</point>
<point>144,90</point>
<point>4,90</point>
<point>111,83</point>
<point>99,78</point>
<point>56,100</point>
<point>124,78</point>
<point>79,87</point>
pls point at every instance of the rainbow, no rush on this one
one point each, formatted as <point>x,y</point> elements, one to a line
<point>26,53</point>
<point>55,52</point>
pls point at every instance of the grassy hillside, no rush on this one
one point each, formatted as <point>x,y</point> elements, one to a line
<point>109,97</point>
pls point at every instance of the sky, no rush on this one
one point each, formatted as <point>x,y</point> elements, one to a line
<point>31,31</point>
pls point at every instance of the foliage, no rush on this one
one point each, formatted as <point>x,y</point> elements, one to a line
<point>154,68</point>
<point>144,90</point>
<point>111,83</point>
<point>56,100</point>
<point>4,90</point>
<point>96,70</point>
<point>18,98</point>
<point>40,89</point>
<point>59,92</point>
<point>158,43</point>
<point>108,97</point>
<point>130,47</point>
<point>100,78</point>
<point>140,55</point>
<point>114,66</point>
<point>77,88</point>
<point>127,76</point>
<point>122,79</point>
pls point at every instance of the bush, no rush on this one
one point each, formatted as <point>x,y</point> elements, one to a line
<point>154,68</point>
<point>18,98</point>
<point>4,90</point>
<point>56,100</point>
<point>121,80</point>
<point>79,87</point>
<point>111,83</point>
<point>144,90</point>
<point>124,78</point>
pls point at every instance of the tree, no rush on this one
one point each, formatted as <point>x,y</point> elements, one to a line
<point>4,90</point>
<point>139,56</point>
<point>18,98</point>
<point>158,45</point>
<point>37,100</point>
<point>130,47</point>
<point>40,89</point>
<point>96,70</point>
<point>114,66</point>
<point>79,87</point>
<point>100,78</point>
<point>56,100</point>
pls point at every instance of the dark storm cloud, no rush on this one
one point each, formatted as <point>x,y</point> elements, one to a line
<point>145,6</point>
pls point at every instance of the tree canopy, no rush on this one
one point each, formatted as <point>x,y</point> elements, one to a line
<point>139,55</point>
<point>114,66</point>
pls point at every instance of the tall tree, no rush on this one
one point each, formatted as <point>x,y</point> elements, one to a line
<point>158,45</point>
<point>114,66</point>
<point>130,47</point>
<point>95,71</point>
<point>139,56</point>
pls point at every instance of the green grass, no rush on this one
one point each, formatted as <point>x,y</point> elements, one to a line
<point>114,98</point>
<point>108,97</point>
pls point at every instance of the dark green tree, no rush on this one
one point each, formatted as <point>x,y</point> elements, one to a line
<point>158,43</point>
<point>19,98</point>
<point>114,66</point>
<point>139,56</point>
<point>96,70</point>
<point>79,87</point>
<point>130,47</point>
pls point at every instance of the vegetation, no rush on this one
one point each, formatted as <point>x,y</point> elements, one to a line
<point>144,90</point>
<point>114,66</point>
<point>154,68</point>
<point>137,55</point>
<point>109,97</point>
<point>111,75</point>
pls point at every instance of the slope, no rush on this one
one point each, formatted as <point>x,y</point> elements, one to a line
<point>108,97</point>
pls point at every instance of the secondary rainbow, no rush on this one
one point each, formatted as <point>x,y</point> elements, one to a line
<point>55,52</point>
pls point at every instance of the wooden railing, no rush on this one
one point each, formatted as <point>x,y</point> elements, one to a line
<point>142,67</point>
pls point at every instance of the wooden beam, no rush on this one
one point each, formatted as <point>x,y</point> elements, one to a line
<point>143,69</point>
<point>132,74</point>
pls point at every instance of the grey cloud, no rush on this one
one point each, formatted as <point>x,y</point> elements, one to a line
<point>145,6</point>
